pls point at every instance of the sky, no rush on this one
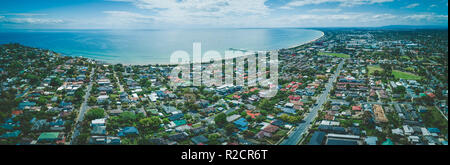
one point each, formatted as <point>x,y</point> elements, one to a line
<point>161,14</point>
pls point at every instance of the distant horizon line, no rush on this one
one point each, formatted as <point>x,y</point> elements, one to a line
<point>143,29</point>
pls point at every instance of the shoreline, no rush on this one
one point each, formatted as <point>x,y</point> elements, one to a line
<point>106,62</point>
<point>296,46</point>
<point>169,64</point>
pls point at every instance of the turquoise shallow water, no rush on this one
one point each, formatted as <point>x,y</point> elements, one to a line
<point>155,46</point>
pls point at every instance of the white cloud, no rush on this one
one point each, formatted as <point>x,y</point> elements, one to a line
<point>201,11</point>
<point>253,13</point>
<point>125,19</point>
<point>28,18</point>
<point>205,6</point>
<point>31,20</point>
<point>129,16</point>
<point>325,10</point>
<point>24,14</point>
<point>343,3</point>
<point>356,20</point>
<point>428,17</point>
<point>412,5</point>
<point>332,20</point>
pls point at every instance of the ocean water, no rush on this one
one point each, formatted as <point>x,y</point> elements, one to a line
<point>155,46</point>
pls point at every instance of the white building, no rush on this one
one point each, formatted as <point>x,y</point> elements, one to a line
<point>98,122</point>
<point>408,130</point>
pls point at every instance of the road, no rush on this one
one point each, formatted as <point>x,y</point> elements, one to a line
<point>119,107</point>
<point>295,137</point>
<point>372,103</point>
<point>83,109</point>
<point>118,83</point>
<point>442,113</point>
<point>25,92</point>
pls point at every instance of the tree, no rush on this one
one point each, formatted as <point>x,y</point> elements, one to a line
<point>33,78</point>
<point>56,82</point>
<point>92,100</point>
<point>248,118</point>
<point>248,134</point>
<point>188,117</point>
<point>151,123</point>
<point>220,120</point>
<point>112,123</point>
<point>284,117</point>
<point>166,121</point>
<point>265,104</point>
<point>349,99</point>
<point>95,113</point>
<point>127,117</point>
<point>230,128</point>
<point>260,118</point>
<point>244,114</point>
<point>291,119</point>
<point>8,101</point>
<point>70,71</point>
<point>2,130</point>
<point>332,92</point>
<point>79,93</point>
<point>426,100</point>
<point>399,90</point>
<point>82,138</point>
<point>145,83</point>
<point>42,100</point>
<point>213,138</point>
<point>294,119</point>
<point>367,119</point>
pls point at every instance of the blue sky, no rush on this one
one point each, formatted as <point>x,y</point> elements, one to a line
<point>155,14</point>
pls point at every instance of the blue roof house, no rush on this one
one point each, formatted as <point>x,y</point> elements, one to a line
<point>198,140</point>
<point>242,124</point>
<point>63,104</point>
<point>128,131</point>
<point>434,130</point>
<point>10,124</point>
<point>289,110</point>
<point>10,134</point>
<point>177,116</point>
<point>371,140</point>
<point>317,138</point>
<point>22,105</point>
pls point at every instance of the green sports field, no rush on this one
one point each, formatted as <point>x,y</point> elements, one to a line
<point>374,68</point>
<point>340,55</point>
<point>405,75</point>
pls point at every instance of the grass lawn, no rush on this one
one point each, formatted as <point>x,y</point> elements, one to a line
<point>410,69</point>
<point>405,75</point>
<point>340,55</point>
<point>434,119</point>
<point>374,68</point>
<point>197,125</point>
<point>229,96</point>
<point>405,57</point>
